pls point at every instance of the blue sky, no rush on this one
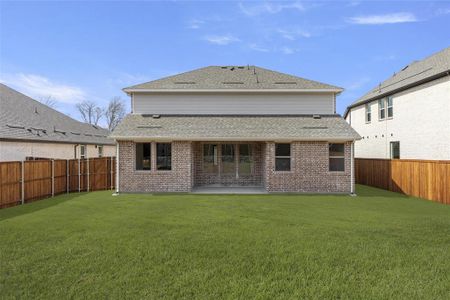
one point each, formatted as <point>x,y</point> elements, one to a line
<point>74,51</point>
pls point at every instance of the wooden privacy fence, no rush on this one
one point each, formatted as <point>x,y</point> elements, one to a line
<point>26,181</point>
<point>429,179</point>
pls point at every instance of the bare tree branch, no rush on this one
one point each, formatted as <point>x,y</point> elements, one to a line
<point>90,112</point>
<point>49,101</point>
<point>115,112</point>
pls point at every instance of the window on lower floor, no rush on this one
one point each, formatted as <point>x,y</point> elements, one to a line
<point>245,159</point>
<point>282,157</point>
<point>82,151</point>
<point>336,153</point>
<point>395,150</point>
<point>100,151</point>
<point>228,164</point>
<point>210,163</point>
<point>143,156</point>
<point>164,156</point>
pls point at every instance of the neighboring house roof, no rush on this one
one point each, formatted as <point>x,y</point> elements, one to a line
<point>23,118</point>
<point>227,78</point>
<point>238,127</point>
<point>418,72</point>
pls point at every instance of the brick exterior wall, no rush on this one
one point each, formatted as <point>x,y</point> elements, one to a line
<point>309,170</point>
<point>253,179</point>
<point>179,179</point>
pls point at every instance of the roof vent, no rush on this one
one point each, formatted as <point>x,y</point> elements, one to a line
<point>156,116</point>
<point>35,110</point>
<point>317,117</point>
<point>232,69</point>
<point>233,82</point>
<point>286,82</point>
<point>223,67</point>
<point>184,82</point>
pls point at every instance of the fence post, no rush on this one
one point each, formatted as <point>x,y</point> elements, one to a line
<point>79,175</point>
<point>23,182</point>
<point>53,178</point>
<point>87,174</point>
<point>67,176</point>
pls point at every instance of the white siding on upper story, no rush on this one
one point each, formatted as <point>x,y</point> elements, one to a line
<point>275,103</point>
<point>421,124</point>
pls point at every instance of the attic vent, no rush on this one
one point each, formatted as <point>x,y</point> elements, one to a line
<point>233,82</point>
<point>286,82</point>
<point>59,131</point>
<point>75,133</point>
<point>149,127</point>
<point>95,126</point>
<point>404,68</point>
<point>184,82</point>
<point>156,116</point>
<point>317,117</point>
<point>15,126</point>
<point>241,67</point>
<point>315,127</point>
<point>88,134</point>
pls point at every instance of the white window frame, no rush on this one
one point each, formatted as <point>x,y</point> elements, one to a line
<point>381,107</point>
<point>391,149</point>
<point>368,113</point>
<point>83,151</point>
<point>100,150</point>
<point>389,99</point>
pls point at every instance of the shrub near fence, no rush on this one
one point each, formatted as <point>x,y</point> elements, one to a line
<point>27,181</point>
<point>428,179</point>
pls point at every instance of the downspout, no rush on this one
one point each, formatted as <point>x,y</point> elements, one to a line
<point>117,168</point>
<point>352,169</point>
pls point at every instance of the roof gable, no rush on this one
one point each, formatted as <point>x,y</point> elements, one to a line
<point>414,73</point>
<point>232,78</point>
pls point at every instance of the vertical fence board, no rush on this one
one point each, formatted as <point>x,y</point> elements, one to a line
<point>426,179</point>
<point>38,178</point>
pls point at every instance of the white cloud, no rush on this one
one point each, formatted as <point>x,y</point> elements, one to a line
<point>221,40</point>
<point>294,34</point>
<point>270,8</point>
<point>40,87</point>
<point>256,47</point>
<point>195,24</point>
<point>402,17</point>
<point>288,50</point>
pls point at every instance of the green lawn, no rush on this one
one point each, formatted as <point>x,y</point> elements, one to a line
<point>377,245</point>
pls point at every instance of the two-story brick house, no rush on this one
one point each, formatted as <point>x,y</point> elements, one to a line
<point>234,126</point>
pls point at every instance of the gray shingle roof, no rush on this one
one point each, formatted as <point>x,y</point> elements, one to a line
<point>246,128</point>
<point>231,78</point>
<point>23,118</point>
<point>416,72</point>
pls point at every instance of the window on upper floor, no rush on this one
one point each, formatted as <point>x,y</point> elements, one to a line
<point>381,109</point>
<point>368,113</point>
<point>390,107</point>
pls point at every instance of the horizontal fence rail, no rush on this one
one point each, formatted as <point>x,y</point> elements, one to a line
<point>428,179</point>
<point>27,181</point>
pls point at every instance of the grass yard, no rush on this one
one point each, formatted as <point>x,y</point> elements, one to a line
<point>377,245</point>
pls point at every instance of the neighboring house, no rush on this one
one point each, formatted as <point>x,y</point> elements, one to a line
<point>30,130</point>
<point>408,115</point>
<point>234,126</point>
